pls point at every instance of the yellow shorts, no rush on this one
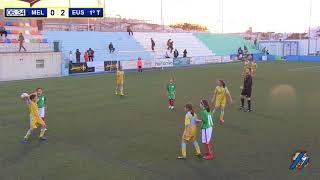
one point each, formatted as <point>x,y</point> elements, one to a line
<point>35,121</point>
<point>119,82</point>
<point>220,103</point>
<point>189,134</point>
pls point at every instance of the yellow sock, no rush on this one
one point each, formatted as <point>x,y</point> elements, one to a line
<point>196,146</point>
<point>42,132</point>
<point>28,134</point>
<point>121,90</point>
<point>184,149</point>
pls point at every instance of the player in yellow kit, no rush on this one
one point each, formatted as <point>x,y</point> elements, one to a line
<point>190,132</point>
<point>119,81</point>
<point>254,67</point>
<point>35,119</point>
<point>219,99</point>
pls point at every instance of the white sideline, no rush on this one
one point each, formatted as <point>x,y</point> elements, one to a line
<point>303,68</point>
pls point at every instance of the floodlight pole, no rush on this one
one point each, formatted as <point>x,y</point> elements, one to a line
<point>309,33</point>
<point>162,22</point>
<point>222,16</point>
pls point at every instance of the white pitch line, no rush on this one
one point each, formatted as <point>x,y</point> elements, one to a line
<point>303,68</point>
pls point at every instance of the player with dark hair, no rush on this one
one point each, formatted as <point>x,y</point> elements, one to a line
<point>246,91</point>
<point>219,99</point>
<point>190,132</point>
<point>206,127</point>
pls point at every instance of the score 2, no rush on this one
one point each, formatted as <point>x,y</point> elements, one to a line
<point>58,13</point>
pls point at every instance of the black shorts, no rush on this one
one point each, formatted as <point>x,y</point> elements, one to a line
<point>246,92</point>
<point>139,67</point>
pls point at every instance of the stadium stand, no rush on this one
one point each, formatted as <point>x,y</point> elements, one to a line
<point>181,41</point>
<point>34,41</point>
<point>126,48</point>
<point>225,44</point>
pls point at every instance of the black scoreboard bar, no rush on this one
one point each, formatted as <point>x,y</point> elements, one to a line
<point>86,12</point>
<point>53,12</point>
<point>25,12</point>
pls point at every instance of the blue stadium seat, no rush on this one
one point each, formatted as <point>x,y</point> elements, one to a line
<point>98,41</point>
<point>7,41</point>
<point>9,23</point>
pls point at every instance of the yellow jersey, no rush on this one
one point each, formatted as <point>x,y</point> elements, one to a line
<point>120,76</point>
<point>189,119</point>
<point>254,66</point>
<point>220,93</point>
<point>246,65</point>
<point>33,108</point>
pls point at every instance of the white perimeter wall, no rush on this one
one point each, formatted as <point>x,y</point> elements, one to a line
<point>276,48</point>
<point>15,66</point>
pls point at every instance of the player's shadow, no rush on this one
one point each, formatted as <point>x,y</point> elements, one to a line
<point>23,151</point>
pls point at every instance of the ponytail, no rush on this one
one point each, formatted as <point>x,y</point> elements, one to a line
<point>190,109</point>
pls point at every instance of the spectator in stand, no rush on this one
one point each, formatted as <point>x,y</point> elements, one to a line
<point>21,41</point>
<point>86,56</point>
<point>111,48</point>
<point>167,55</point>
<point>139,64</point>
<point>70,57</point>
<point>240,53</point>
<point>264,49</point>
<point>185,53</point>
<point>3,31</point>
<point>153,44</point>
<point>245,49</point>
<point>78,54</point>
<point>255,42</point>
<point>175,53</point>
<point>170,45</point>
<point>129,30</point>
<point>91,54</point>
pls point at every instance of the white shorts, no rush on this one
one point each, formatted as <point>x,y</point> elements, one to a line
<point>206,135</point>
<point>42,112</point>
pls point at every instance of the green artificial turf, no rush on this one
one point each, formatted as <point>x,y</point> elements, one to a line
<point>95,135</point>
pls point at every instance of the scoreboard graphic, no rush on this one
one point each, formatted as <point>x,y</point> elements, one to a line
<point>53,13</point>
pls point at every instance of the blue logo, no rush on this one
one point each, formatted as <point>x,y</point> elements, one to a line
<point>299,160</point>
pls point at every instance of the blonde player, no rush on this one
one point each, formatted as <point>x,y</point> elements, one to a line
<point>219,98</point>
<point>190,132</point>
<point>35,119</point>
<point>119,81</point>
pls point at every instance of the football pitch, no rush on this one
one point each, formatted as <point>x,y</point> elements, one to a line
<point>93,134</point>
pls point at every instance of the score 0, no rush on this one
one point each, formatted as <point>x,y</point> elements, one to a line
<point>58,12</point>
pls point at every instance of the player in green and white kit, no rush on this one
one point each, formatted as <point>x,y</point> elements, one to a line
<point>171,92</point>
<point>41,103</point>
<point>206,127</point>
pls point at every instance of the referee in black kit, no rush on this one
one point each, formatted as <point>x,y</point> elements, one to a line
<point>246,91</point>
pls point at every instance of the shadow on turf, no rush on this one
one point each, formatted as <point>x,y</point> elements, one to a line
<point>24,151</point>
